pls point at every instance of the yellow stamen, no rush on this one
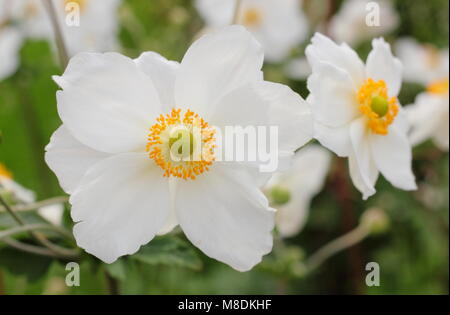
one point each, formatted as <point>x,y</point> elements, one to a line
<point>376,105</point>
<point>439,87</point>
<point>181,161</point>
<point>252,17</point>
<point>4,172</point>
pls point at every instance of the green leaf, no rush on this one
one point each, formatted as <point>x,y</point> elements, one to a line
<point>33,267</point>
<point>169,250</point>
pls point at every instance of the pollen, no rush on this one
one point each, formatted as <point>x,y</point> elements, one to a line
<point>4,172</point>
<point>377,106</point>
<point>81,3</point>
<point>252,17</point>
<point>439,87</point>
<point>182,144</point>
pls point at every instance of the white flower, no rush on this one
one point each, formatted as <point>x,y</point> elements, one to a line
<point>10,43</point>
<point>422,63</point>
<point>298,69</point>
<point>357,112</point>
<point>124,186</point>
<point>349,24</point>
<point>428,116</point>
<point>279,25</point>
<point>291,191</point>
<point>52,213</point>
<point>97,29</point>
<point>18,192</point>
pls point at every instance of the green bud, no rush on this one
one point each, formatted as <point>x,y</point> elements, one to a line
<point>375,220</point>
<point>379,105</point>
<point>280,195</point>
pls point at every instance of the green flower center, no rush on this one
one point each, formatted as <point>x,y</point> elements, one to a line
<point>379,105</point>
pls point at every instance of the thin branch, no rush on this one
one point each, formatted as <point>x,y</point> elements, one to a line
<point>237,10</point>
<point>59,38</point>
<point>37,250</point>
<point>347,240</point>
<point>38,204</point>
<point>40,238</point>
<point>33,227</point>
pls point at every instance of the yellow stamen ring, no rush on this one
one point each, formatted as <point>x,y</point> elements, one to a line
<point>377,106</point>
<point>195,152</point>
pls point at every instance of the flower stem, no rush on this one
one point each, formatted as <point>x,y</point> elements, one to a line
<point>38,204</point>
<point>59,38</point>
<point>345,241</point>
<point>40,238</point>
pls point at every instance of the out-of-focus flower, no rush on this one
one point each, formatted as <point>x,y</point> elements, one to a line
<point>279,25</point>
<point>18,193</point>
<point>428,115</point>
<point>21,195</point>
<point>125,184</point>
<point>87,25</point>
<point>423,63</point>
<point>357,112</point>
<point>298,69</point>
<point>10,42</point>
<point>349,25</point>
<point>291,191</point>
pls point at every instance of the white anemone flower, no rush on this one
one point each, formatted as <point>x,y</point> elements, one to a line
<point>428,116</point>
<point>279,25</point>
<point>357,112</point>
<point>120,117</point>
<point>291,191</point>
<point>86,25</point>
<point>19,193</point>
<point>423,63</point>
<point>349,24</point>
<point>52,213</point>
<point>10,42</point>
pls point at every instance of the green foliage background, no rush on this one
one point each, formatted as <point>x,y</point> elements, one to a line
<point>413,253</point>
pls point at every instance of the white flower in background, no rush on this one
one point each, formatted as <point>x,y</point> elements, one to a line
<point>52,213</point>
<point>429,114</point>
<point>423,63</point>
<point>357,112</point>
<point>291,191</point>
<point>9,186</point>
<point>97,29</point>
<point>10,43</point>
<point>113,152</point>
<point>349,24</point>
<point>279,25</point>
<point>298,69</point>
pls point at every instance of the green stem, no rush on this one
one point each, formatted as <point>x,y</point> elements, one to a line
<point>59,38</point>
<point>38,204</point>
<point>237,10</point>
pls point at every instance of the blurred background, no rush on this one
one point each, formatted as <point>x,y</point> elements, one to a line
<point>411,247</point>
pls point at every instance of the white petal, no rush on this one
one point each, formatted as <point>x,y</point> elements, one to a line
<point>226,216</point>
<point>304,180</point>
<point>393,157</point>
<point>162,73</point>
<point>20,193</point>
<point>324,50</point>
<point>266,104</point>
<point>442,133</point>
<point>382,65</point>
<point>216,12</point>
<point>362,167</point>
<point>69,159</point>
<point>52,213</point>
<point>107,102</point>
<point>333,93</point>
<point>216,64</point>
<point>10,43</point>
<point>122,202</point>
<point>336,139</point>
